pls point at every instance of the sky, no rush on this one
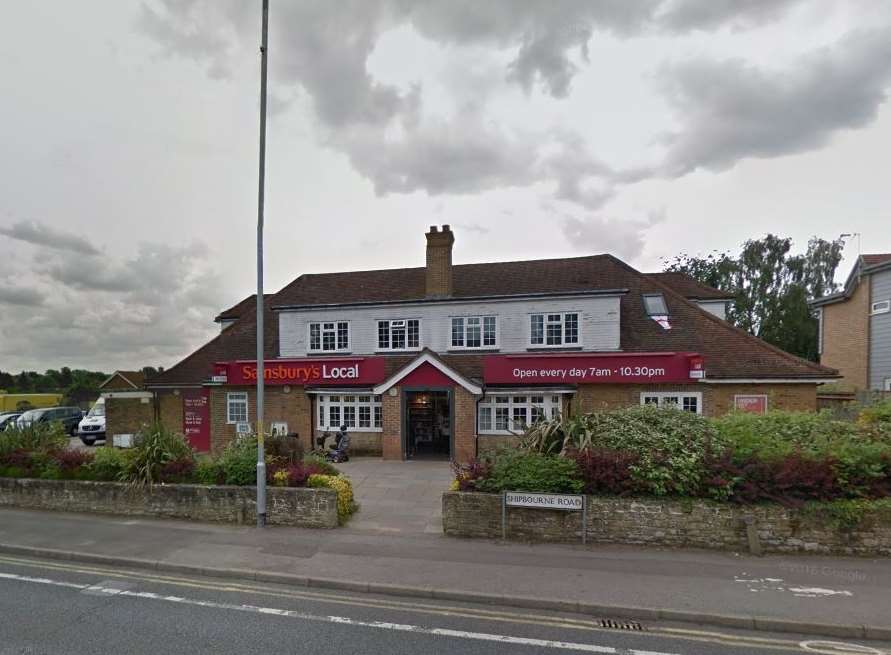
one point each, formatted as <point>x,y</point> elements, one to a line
<point>642,128</point>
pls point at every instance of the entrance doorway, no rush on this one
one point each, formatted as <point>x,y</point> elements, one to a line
<point>428,424</point>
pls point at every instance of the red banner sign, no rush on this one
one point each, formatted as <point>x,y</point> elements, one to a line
<point>196,418</point>
<point>334,371</point>
<point>579,368</point>
<point>754,404</point>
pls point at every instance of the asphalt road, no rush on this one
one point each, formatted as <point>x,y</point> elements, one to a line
<point>56,607</point>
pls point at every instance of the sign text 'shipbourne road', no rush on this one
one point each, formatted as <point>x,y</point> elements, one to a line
<point>563,502</point>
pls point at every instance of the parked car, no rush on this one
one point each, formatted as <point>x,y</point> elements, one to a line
<point>7,419</point>
<point>69,417</point>
<point>92,427</point>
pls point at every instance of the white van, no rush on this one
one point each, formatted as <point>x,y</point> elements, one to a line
<point>92,427</point>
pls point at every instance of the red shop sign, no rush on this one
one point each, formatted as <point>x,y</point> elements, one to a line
<point>604,368</point>
<point>196,418</point>
<point>333,371</point>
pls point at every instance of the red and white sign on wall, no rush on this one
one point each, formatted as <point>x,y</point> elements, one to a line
<point>196,418</point>
<point>334,371</point>
<point>579,368</point>
<point>754,404</point>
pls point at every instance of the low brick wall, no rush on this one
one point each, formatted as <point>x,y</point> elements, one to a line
<point>671,523</point>
<point>302,507</point>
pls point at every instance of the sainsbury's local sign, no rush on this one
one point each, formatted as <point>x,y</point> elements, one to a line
<point>580,368</point>
<point>333,371</point>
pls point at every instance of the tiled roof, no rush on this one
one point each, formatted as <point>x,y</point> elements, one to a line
<point>136,378</point>
<point>240,308</point>
<point>690,287</point>
<point>876,259</point>
<point>729,352</point>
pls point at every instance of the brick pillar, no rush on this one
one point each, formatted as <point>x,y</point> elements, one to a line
<point>439,262</point>
<point>391,415</point>
<point>465,425</point>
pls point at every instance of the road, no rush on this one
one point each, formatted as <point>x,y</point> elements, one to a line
<point>50,607</point>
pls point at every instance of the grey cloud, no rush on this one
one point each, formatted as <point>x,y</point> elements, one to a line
<point>22,296</point>
<point>730,110</point>
<point>599,234</point>
<point>39,234</point>
<point>323,48</point>
<point>684,15</point>
<point>151,308</point>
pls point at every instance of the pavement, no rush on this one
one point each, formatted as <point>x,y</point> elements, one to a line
<point>52,607</point>
<point>812,595</point>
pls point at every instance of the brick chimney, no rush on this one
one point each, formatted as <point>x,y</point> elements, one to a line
<point>439,262</point>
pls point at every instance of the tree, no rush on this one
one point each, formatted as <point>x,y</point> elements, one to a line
<point>771,287</point>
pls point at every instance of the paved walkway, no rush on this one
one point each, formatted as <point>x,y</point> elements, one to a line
<point>398,497</point>
<point>825,590</point>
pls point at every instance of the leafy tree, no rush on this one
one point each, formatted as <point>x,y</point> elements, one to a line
<point>771,287</point>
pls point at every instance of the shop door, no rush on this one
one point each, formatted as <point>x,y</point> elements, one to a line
<point>427,425</point>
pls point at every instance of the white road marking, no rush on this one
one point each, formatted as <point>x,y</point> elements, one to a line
<point>838,648</point>
<point>342,620</point>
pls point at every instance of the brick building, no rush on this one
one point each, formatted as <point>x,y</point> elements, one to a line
<point>450,360</point>
<point>855,326</point>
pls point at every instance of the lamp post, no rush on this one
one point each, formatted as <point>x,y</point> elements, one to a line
<point>261,455</point>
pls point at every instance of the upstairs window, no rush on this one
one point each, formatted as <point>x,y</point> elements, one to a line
<point>401,334</point>
<point>881,307</point>
<point>329,337</point>
<point>474,332</point>
<point>554,329</point>
<point>655,305</point>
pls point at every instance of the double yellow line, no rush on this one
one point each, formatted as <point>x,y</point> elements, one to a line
<point>434,609</point>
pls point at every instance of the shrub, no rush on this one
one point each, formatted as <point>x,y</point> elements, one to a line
<point>154,448</point>
<point>605,471</point>
<point>209,472</point>
<point>238,462</point>
<point>36,437</point>
<point>344,488</point>
<point>522,471</point>
<point>468,476</point>
<point>74,464</point>
<point>288,449</point>
<point>178,471</point>
<point>322,464</point>
<point>18,463</point>
<point>110,464</point>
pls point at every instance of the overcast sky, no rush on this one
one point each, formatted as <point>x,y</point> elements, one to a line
<point>644,128</point>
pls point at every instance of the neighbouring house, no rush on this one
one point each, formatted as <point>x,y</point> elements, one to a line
<point>450,360</point>
<point>855,326</point>
<point>123,381</point>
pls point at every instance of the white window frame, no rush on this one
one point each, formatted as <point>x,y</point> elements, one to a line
<point>880,307</point>
<point>658,296</point>
<point>551,405</point>
<point>664,398</point>
<point>352,401</point>
<point>321,348</point>
<point>464,325</point>
<point>389,322</point>
<point>563,314</point>
<point>887,384</point>
<point>237,398</point>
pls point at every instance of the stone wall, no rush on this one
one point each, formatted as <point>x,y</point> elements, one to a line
<point>672,523</point>
<point>306,508</point>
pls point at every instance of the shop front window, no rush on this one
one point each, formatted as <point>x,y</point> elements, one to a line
<point>689,402</point>
<point>358,412</point>
<point>513,414</point>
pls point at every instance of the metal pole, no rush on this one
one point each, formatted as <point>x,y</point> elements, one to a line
<point>261,455</point>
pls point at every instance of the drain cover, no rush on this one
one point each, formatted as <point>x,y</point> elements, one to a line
<point>620,625</point>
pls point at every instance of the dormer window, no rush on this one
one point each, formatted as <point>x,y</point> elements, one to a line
<point>655,304</point>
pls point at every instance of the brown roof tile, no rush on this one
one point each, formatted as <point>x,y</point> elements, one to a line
<point>729,352</point>
<point>690,287</point>
<point>875,259</point>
